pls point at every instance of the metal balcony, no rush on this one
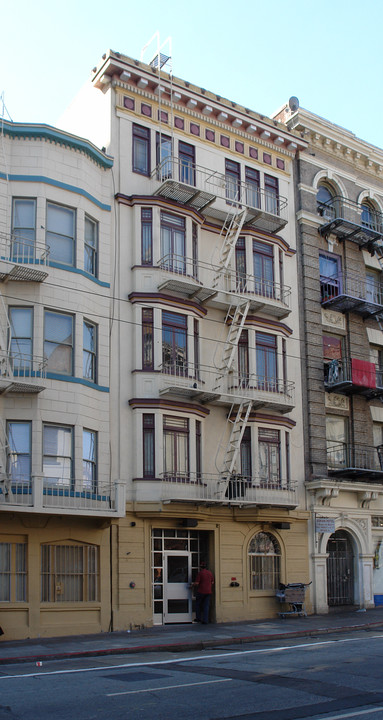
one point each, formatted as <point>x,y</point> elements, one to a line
<point>349,220</point>
<point>350,376</point>
<point>39,495</point>
<point>208,384</point>
<point>352,293</point>
<point>355,461</point>
<point>22,260</point>
<point>22,373</point>
<point>210,489</point>
<point>197,280</point>
<point>201,188</point>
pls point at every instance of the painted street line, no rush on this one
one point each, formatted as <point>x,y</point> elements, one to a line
<point>169,687</point>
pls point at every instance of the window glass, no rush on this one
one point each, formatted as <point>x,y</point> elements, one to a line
<point>252,187</point>
<point>90,246</point>
<point>174,343</point>
<point>269,457</point>
<point>263,268</point>
<point>173,243</point>
<point>58,342</point>
<point>176,447</point>
<point>264,562</point>
<point>57,455</point>
<point>89,460</point>
<point>336,437</point>
<point>21,320</point>
<point>146,236</point>
<point>60,234</point>
<point>271,195</point>
<point>89,351</point>
<point>23,229</point>
<point>19,450</point>
<point>141,150</point>
<point>266,359</point>
<point>187,163</point>
<point>148,445</point>
<point>233,176</point>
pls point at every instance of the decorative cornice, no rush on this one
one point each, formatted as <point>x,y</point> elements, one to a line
<point>271,420</point>
<point>270,324</point>
<point>171,405</point>
<point>23,131</point>
<point>171,300</point>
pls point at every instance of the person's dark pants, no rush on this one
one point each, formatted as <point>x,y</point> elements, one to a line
<point>202,605</point>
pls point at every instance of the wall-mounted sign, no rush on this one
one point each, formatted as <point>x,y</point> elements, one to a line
<point>324,525</point>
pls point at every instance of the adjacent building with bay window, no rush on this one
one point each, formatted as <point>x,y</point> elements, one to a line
<point>58,494</point>
<point>339,212</point>
<point>205,374</point>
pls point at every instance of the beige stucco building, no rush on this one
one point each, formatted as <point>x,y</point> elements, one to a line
<point>205,402</point>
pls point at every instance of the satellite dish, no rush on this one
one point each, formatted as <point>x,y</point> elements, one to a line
<point>294,104</point>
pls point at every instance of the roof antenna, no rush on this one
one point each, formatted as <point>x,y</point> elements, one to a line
<point>4,108</point>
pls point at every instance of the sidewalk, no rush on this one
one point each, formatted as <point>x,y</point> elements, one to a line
<point>179,638</point>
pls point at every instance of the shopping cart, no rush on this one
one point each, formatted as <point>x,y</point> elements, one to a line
<point>293,594</point>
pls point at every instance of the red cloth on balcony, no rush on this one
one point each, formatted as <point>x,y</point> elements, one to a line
<point>363,373</point>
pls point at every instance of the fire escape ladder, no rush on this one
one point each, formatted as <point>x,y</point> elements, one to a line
<point>5,341</point>
<point>238,424</point>
<point>236,317</point>
<point>230,232</point>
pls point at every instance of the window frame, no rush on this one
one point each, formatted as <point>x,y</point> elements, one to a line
<point>146,236</point>
<point>147,332</point>
<point>70,240</point>
<point>148,446</point>
<point>141,134</point>
<point>261,577</point>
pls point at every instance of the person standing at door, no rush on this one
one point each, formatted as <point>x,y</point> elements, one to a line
<point>204,587</point>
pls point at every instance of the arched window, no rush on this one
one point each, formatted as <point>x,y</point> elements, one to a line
<point>324,205</point>
<point>264,562</point>
<point>369,216</point>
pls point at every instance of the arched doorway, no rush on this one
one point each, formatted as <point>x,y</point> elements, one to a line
<point>340,569</point>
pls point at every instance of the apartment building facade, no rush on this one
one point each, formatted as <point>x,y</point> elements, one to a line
<point>58,499</point>
<point>206,408</point>
<point>339,214</point>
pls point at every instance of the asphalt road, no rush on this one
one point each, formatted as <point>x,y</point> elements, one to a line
<point>336,678</point>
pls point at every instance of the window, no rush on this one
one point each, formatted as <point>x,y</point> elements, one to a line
<point>90,246</point>
<point>245,454</point>
<point>176,447</point>
<point>263,268</point>
<point>374,288</point>
<point>369,217</point>
<point>58,342</point>
<point>186,155</point>
<point>146,236</point>
<point>266,359</point>
<point>147,339</point>
<point>148,445</point>
<point>269,457</point>
<point>23,229</point>
<point>13,572</point>
<point>58,455</point>
<point>325,205</point>
<point>173,243</point>
<point>70,573</point>
<point>233,177</point>
<point>89,370</point>
<point>195,250</point>
<point>336,440</point>
<point>60,234</point>
<point>196,348</point>
<point>243,359</point>
<point>264,562</point>
<point>21,331</point>
<point>19,451</point>
<point>271,195</point>
<point>330,276</point>
<point>164,156</point>
<point>198,449</point>
<point>252,187</point>
<point>141,150</point>
<point>332,356</point>
<point>89,460</point>
<point>174,348</point>
<point>240,264</point>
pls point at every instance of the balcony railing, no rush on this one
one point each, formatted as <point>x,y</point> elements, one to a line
<point>232,490</point>
<point>350,220</point>
<point>351,292</point>
<point>200,187</point>
<point>207,383</point>
<point>203,280</point>
<point>21,372</point>
<point>356,461</point>
<point>38,494</point>
<point>350,376</point>
<point>22,259</point>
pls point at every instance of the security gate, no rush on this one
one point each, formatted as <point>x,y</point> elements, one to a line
<point>340,569</point>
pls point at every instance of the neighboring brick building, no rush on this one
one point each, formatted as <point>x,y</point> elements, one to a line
<point>57,495</point>
<point>206,418</point>
<point>339,191</point>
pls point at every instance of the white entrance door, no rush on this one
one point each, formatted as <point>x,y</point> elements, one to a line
<point>177,594</point>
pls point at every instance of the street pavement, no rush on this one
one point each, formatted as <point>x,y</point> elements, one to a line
<point>174,638</point>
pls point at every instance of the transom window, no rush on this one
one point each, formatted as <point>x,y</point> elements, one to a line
<point>70,573</point>
<point>264,562</point>
<point>60,234</point>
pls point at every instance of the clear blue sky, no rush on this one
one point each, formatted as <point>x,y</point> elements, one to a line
<point>258,54</point>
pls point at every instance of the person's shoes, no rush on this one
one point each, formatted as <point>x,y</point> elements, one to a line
<point>196,620</point>
<point>204,623</point>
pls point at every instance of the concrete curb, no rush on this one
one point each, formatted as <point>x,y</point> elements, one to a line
<point>186,646</point>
